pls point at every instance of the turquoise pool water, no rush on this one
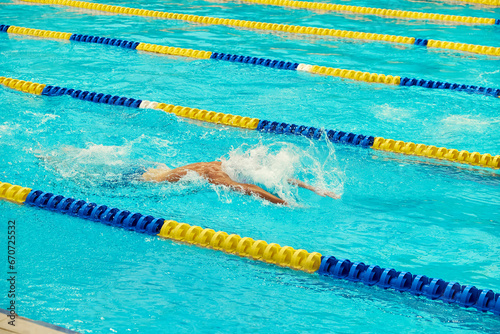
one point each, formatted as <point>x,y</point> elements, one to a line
<point>427,217</point>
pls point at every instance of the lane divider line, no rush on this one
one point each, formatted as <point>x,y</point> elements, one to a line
<point>382,144</point>
<point>482,2</point>
<point>450,292</point>
<point>400,14</point>
<point>377,143</point>
<point>264,26</point>
<point>277,64</point>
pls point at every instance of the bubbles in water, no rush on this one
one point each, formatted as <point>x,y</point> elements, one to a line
<point>7,129</point>
<point>41,117</point>
<point>456,123</point>
<point>389,112</point>
<point>97,154</point>
<point>94,163</point>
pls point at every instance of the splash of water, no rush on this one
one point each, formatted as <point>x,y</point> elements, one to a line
<point>270,166</point>
<point>94,163</point>
<point>273,166</point>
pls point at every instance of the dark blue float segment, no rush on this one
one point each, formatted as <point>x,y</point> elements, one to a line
<point>315,133</point>
<point>92,96</point>
<point>98,213</point>
<point>4,28</point>
<point>497,21</point>
<point>447,85</point>
<point>255,61</point>
<point>102,40</point>
<point>421,42</point>
<point>56,91</point>
<point>419,285</point>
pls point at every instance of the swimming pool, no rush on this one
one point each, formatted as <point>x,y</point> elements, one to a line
<point>415,214</point>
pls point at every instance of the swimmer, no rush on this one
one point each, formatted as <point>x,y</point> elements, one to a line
<point>213,173</point>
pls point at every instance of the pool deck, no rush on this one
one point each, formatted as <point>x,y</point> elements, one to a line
<point>28,326</point>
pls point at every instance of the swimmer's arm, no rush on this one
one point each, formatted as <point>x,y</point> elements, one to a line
<point>318,191</point>
<point>250,189</point>
<point>162,175</point>
<point>258,191</point>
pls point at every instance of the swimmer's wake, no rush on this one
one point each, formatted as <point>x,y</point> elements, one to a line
<point>228,172</point>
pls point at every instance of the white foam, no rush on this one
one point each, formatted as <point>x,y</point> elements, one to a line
<point>477,124</point>
<point>41,116</point>
<point>272,166</point>
<point>97,154</point>
<point>92,164</point>
<point>389,112</point>
<point>7,129</point>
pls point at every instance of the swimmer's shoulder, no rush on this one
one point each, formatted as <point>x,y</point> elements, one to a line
<point>205,164</point>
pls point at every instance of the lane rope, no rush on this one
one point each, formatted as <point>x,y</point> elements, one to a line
<point>482,2</point>
<point>473,48</point>
<point>277,64</point>
<point>400,14</point>
<point>377,143</point>
<point>450,292</point>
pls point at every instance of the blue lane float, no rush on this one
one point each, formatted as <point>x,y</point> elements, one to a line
<point>98,213</point>
<point>315,133</point>
<point>418,285</point>
<point>103,40</point>
<point>255,61</point>
<point>451,86</point>
<point>92,96</point>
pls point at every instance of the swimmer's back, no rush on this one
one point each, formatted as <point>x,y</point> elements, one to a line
<point>210,170</point>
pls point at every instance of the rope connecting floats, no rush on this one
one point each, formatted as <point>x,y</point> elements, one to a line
<point>278,64</point>
<point>449,292</point>
<point>377,143</point>
<point>400,14</point>
<point>480,49</point>
<point>482,2</point>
